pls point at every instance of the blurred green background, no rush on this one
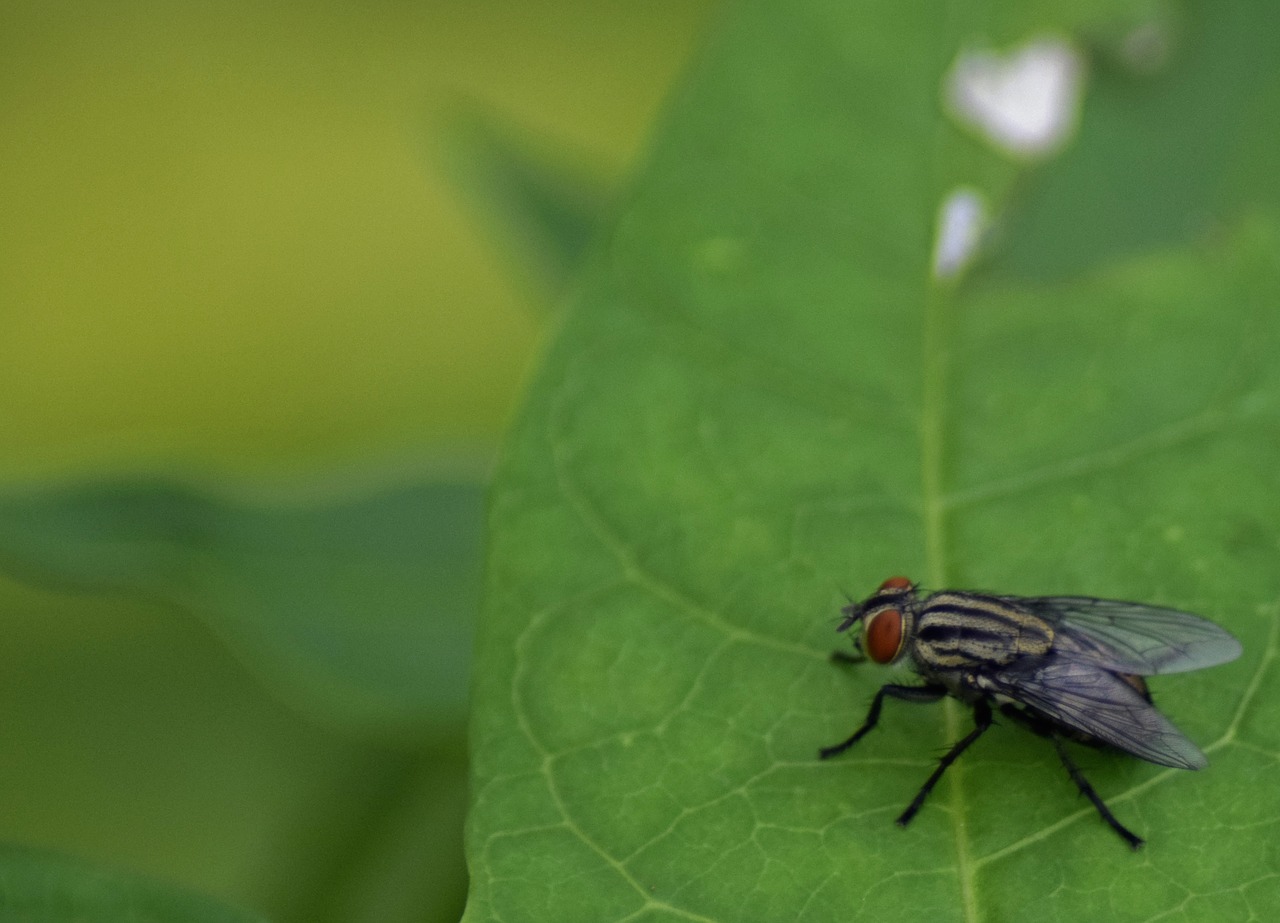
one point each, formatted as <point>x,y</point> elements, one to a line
<point>271,278</point>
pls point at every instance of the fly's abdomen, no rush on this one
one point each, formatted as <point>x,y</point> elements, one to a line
<point>960,630</point>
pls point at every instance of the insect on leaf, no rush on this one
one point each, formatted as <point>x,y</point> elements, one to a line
<point>760,395</point>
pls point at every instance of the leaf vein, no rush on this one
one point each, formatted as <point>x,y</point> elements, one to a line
<point>1184,431</point>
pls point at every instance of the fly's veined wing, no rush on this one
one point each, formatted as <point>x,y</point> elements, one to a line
<point>1086,698</point>
<point>1131,637</point>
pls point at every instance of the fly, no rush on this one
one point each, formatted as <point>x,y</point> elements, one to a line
<point>1065,667</point>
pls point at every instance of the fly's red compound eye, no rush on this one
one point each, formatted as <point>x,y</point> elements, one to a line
<point>895,585</point>
<point>882,635</point>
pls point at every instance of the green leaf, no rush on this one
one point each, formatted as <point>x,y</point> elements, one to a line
<point>359,608</point>
<point>44,888</point>
<point>761,397</point>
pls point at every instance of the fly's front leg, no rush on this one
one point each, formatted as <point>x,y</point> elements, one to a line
<point>906,693</point>
<point>981,721</point>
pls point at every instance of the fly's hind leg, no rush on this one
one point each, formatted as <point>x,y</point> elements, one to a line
<point>1046,729</point>
<point>1086,789</point>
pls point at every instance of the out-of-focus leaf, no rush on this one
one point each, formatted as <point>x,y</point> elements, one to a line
<point>542,209</point>
<point>133,738</point>
<point>762,395</point>
<point>1163,156</point>
<point>409,867</point>
<point>363,609</point>
<point>38,887</point>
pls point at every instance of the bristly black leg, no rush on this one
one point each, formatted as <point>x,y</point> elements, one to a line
<point>1045,729</point>
<point>906,693</point>
<point>1086,789</point>
<point>846,658</point>
<point>981,721</point>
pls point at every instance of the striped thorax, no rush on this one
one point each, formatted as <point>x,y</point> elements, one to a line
<point>959,630</point>
<point>946,632</point>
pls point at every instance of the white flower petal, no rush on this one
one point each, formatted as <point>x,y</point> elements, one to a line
<point>962,218</point>
<point>1025,102</point>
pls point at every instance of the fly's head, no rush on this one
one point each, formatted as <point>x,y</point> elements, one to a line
<point>886,617</point>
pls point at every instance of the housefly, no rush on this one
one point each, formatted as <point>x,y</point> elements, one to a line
<point>1065,667</point>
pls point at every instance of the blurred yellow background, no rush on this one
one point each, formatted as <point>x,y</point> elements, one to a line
<point>242,242</point>
<point>228,237</point>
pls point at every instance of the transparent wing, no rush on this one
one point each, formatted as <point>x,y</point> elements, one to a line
<point>1131,637</point>
<point>1083,697</point>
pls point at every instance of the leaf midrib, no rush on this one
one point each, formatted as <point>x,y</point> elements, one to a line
<point>937,302</point>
